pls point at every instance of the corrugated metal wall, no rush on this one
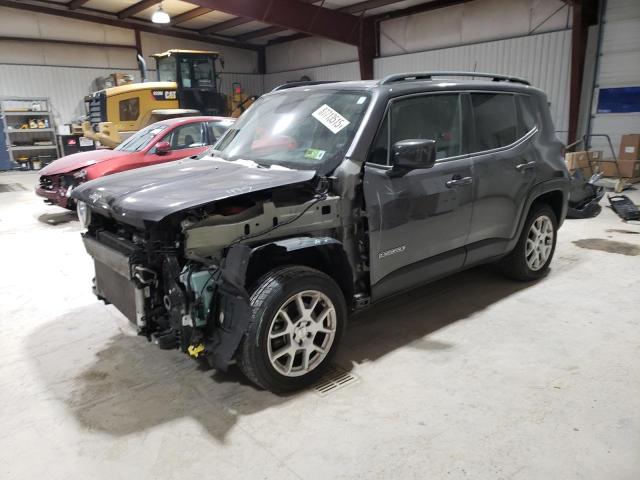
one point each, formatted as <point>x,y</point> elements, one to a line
<point>619,66</point>
<point>67,86</point>
<point>341,71</point>
<point>543,59</point>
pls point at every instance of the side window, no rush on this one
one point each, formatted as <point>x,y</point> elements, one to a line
<point>203,73</point>
<point>527,118</point>
<point>494,116</point>
<point>186,136</point>
<point>432,117</point>
<point>185,73</point>
<point>129,109</point>
<point>429,117</point>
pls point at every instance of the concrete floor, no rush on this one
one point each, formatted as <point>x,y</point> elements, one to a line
<point>471,377</point>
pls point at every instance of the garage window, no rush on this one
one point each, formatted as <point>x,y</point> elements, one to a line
<point>495,120</point>
<point>129,109</point>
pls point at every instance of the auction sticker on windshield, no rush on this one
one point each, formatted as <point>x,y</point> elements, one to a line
<point>330,118</point>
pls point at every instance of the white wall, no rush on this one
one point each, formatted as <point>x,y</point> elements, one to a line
<point>237,60</point>
<point>472,22</point>
<point>338,72</point>
<point>65,73</point>
<point>619,66</point>
<point>308,52</point>
<point>542,59</point>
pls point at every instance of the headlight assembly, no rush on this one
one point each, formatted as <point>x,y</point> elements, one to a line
<point>84,213</point>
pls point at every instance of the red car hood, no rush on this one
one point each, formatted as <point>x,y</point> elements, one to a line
<point>80,160</point>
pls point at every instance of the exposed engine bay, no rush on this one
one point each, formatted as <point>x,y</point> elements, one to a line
<point>182,280</point>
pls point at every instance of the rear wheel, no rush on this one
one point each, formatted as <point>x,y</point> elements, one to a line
<point>534,251</point>
<point>297,320</point>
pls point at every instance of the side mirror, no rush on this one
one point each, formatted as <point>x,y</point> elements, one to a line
<point>412,154</point>
<point>162,148</point>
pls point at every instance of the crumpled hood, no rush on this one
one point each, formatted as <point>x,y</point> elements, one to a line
<point>152,193</point>
<point>80,160</point>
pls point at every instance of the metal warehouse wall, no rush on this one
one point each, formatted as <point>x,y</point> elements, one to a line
<point>65,73</point>
<point>341,71</point>
<point>619,66</point>
<point>543,59</point>
<point>67,86</point>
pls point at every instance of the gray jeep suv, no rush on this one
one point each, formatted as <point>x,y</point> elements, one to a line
<point>321,200</point>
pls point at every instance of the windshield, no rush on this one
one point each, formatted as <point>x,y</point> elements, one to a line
<point>309,130</point>
<point>139,140</point>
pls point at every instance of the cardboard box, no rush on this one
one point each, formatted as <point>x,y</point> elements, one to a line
<point>629,168</point>
<point>577,160</point>
<point>630,147</point>
<point>594,156</point>
<point>608,167</point>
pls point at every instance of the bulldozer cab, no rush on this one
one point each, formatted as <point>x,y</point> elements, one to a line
<point>194,72</point>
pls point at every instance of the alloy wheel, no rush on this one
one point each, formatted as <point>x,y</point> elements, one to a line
<point>301,333</point>
<point>539,242</point>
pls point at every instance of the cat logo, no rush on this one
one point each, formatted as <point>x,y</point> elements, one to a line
<point>164,94</point>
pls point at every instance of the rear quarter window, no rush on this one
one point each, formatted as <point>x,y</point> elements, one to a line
<point>495,119</point>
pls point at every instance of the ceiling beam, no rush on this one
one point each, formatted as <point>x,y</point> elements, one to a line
<point>295,15</point>
<point>422,7</point>
<point>194,13</point>
<point>73,4</point>
<point>234,22</point>
<point>356,8</point>
<point>112,20</point>
<point>136,8</point>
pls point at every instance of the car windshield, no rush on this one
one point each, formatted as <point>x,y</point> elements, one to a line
<point>309,130</point>
<point>141,139</point>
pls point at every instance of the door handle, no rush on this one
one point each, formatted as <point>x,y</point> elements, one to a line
<point>526,166</point>
<point>458,181</point>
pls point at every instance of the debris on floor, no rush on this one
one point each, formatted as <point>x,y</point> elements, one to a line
<point>624,207</point>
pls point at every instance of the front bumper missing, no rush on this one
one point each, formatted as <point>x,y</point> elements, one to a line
<point>114,281</point>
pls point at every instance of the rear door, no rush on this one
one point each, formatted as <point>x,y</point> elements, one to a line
<point>419,221</point>
<point>505,163</point>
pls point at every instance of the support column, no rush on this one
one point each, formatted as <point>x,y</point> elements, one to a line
<point>367,48</point>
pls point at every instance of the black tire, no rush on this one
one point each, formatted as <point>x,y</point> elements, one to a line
<point>515,264</point>
<point>270,293</point>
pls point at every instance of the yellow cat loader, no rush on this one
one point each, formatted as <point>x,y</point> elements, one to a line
<point>187,85</point>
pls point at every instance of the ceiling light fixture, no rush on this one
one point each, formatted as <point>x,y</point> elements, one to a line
<point>160,16</point>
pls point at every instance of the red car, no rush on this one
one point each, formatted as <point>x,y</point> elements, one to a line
<point>163,141</point>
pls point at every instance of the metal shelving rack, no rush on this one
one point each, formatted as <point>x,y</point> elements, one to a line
<point>16,111</point>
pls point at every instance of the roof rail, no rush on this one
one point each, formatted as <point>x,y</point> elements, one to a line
<point>285,86</point>
<point>401,77</point>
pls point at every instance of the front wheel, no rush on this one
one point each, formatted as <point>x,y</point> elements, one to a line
<point>298,316</point>
<point>532,255</point>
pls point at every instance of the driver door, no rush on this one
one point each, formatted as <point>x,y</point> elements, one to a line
<point>418,221</point>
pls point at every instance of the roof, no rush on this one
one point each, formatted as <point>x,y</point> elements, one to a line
<point>407,83</point>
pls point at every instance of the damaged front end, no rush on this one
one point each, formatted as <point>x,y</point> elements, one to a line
<point>183,280</point>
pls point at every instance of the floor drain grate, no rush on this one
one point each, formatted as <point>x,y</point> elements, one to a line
<point>12,187</point>
<point>334,379</point>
